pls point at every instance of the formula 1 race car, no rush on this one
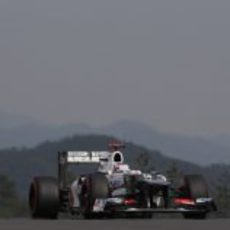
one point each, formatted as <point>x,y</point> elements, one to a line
<point>115,190</point>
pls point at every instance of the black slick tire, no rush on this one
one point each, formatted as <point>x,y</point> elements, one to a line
<point>44,198</point>
<point>195,187</point>
<point>96,187</point>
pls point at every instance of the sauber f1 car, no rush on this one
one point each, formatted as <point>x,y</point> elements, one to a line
<point>115,190</point>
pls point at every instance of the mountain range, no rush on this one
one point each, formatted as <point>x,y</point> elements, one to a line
<point>19,131</point>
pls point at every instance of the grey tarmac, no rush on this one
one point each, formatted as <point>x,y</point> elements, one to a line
<point>117,224</point>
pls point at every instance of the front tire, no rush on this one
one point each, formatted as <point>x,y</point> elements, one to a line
<point>95,187</point>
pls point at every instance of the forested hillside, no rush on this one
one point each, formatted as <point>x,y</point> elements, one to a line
<point>202,151</point>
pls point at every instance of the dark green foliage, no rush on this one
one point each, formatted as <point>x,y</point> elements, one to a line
<point>222,194</point>
<point>223,197</point>
<point>173,173</point>
<point>9,201</point>
<point>143,162</point>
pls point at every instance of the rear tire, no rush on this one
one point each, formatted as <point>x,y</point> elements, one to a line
<point>195,187</point>
<point>44,198</point>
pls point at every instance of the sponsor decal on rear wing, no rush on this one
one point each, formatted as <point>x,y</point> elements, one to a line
<point>86,157</point>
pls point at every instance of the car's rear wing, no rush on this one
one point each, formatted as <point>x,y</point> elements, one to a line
<point>77,157</point>
<point>86,157</point>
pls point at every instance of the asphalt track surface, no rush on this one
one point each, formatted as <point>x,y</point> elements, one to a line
<point>118,224</point>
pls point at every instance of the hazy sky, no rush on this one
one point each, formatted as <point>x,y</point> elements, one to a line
<point>163,62</point>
